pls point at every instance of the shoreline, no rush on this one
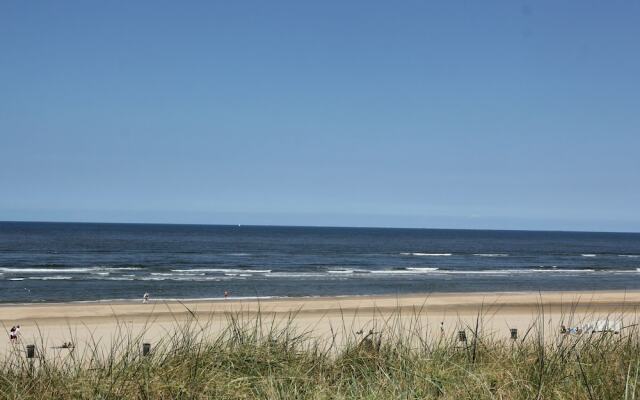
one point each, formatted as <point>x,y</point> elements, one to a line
<point>632,293</point>
<point>466,303</point>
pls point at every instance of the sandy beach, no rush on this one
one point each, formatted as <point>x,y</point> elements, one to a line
<point>50,325</point>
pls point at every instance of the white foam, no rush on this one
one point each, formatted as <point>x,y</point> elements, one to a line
<point>109,268</point>
<point>422,269</point>
<point>177,274</point>
<point>427,254</point>
<point>492,271</point>
<point>491,255</point>
<point>347,271</point>
<point>50,278</point>
<point>238,275</point>
<point>522,271</point>
<point>46,270</point>
<point>401,271</point>
<point>588,255</point>
<point>219,298</point>
<point>341,271</point>
<point>225,270</point>
<point>75,270</point>
<point>181,278</point>
<point>187,299</point>
<point>295,275</point>
<point>629,255</point>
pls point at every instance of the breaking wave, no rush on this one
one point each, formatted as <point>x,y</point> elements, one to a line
<point>225,270</point>
<point>427,254</point>
<point>78,270</point>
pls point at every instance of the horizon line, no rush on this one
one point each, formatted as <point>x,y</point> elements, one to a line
<point>314,226</point>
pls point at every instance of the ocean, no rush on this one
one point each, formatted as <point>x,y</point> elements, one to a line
<point>52,262</point>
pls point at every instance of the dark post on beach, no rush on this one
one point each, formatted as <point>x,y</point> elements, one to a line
<point>146,348</point>
<point>462,336</point>
<point>514,333</point>
<point>31,350</point>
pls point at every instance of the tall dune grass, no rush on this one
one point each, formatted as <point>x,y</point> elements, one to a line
<point>260,357</point>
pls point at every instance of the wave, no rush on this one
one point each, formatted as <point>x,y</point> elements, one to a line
<point>491,254</point>
<point>427,254</point>
<point>588,255</point>
<point>348,271</point>
<point>163,299</point>
<point>522,271</point>
<point>341,271</point>
<point>236,274</point>
<point>181,278</point>
<point>46,270</point>
<point>410,270</point>
<point>629,255</point>
<point>296,275</point>
<point>73,270</point>
<point>225,270</point>
<point>50,278</point>
<point>553,270</point>
<point>186,299</point>
<point>177,274</point>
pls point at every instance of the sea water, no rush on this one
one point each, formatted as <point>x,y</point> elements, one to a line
<point>46,262</point>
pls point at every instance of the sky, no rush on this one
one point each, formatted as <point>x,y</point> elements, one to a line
<point>450,114</point>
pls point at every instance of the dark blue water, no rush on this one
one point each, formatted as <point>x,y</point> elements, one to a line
<point>62,262</point>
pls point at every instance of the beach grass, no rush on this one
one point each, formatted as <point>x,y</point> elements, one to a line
<point>257,356</point>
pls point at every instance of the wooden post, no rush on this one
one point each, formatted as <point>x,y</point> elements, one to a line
<point>31,350</point>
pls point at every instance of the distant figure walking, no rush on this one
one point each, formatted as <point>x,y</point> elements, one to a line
<point>145,298</point>
<point>226,294</point>
<point>13,336</point>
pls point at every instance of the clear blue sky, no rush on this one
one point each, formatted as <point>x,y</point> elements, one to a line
<point>475,114</point>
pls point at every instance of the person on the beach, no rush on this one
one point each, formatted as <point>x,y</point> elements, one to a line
<point>145,298</point>
<point>17,332</point>
<point>12,335</point>
<point>570,330</point>
<point>226,294</point>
